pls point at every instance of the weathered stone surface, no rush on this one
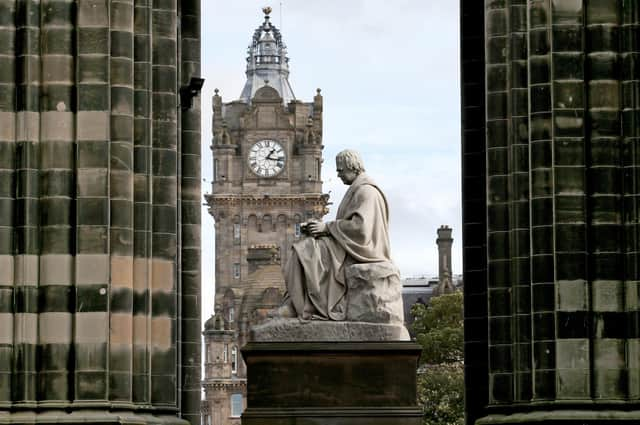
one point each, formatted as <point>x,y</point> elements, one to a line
<point>89,416</point>
<point>327,383</point>
<point>550,217</point>
<point>315,330</point>
<point>89,206</point>
<point>374,293</point>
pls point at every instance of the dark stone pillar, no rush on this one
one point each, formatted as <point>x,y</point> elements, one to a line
<point>331,383</point>
<point>99,212</point>
<point>550,210</point>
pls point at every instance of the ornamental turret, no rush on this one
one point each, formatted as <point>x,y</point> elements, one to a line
<point>267,62</point>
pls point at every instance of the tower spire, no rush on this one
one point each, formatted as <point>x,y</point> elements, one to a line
<point>267,61</point>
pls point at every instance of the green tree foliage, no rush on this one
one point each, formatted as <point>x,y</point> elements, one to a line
<point>441,394</point>
<point>439,330</point>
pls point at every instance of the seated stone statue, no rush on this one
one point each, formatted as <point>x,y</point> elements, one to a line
<point>343,270</point>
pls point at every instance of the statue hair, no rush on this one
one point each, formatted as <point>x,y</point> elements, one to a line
<point>351,160</point>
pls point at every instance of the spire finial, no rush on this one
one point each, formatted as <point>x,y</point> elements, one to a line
<point>267,11</point>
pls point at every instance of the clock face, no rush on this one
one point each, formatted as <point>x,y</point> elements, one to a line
<point>266,158</point>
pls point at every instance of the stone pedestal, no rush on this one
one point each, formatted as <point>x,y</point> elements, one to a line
<point>316,330</point>
<point>313,383</point>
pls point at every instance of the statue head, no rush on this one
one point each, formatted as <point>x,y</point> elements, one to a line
<point>349,165</point>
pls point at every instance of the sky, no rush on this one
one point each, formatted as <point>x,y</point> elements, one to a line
<point>391,89</point>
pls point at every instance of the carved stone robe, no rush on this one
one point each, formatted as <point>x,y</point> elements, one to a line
<point>315,271</point>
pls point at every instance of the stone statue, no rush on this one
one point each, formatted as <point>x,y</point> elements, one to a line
<point>342,271</point>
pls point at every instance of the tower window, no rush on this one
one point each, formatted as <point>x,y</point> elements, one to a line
<point>225,353</point>
<point>236,270</point>
<point>236,405</point>
<point>298,230</point>
<point>231,316</point>
<point>234,360</point>
<point>236,232</point>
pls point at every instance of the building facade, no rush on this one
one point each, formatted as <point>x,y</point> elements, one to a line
<point>551,190</point>
<point>267,153</point>
<point>99,212</point>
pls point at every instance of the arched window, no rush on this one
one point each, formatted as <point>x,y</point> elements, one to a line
<point>225,353</point>
<point>234,360</point>
<point>267,223</point>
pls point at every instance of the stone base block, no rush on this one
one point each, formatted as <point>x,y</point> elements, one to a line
<point>88,417</point>
<point>331,383</point>
<point>319,330</point>
<point>564,417</point>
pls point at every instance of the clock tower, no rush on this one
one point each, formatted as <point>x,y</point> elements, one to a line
<point>267,153</point>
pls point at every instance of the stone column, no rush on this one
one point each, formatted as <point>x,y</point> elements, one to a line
<point>550,190</point>
<point>190,206</point>
<point>99,212</point>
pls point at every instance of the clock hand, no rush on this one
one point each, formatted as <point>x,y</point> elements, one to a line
<point>271,153</point>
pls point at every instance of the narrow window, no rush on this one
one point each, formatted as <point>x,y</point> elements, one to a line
<point>225,353</point>
<point>234,360</point>
<point>236,232</point>
<point>231,314</point>
<point>236,270</point>
<point>236,405</point>
<point>298,231</point>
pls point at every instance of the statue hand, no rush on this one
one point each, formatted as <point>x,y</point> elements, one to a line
<point>317,228</point>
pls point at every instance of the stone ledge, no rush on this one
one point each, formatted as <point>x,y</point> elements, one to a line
<point>297,330</point>
<point>564,417</point>
<point>88,417</point>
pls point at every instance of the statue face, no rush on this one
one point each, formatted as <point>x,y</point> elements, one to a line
<point>346,175</point>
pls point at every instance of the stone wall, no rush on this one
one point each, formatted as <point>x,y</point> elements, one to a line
<point>550,207</point>
<point>99,207</point>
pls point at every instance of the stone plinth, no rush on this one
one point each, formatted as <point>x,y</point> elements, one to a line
<point>309,383</point>
<point>317,330</point>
